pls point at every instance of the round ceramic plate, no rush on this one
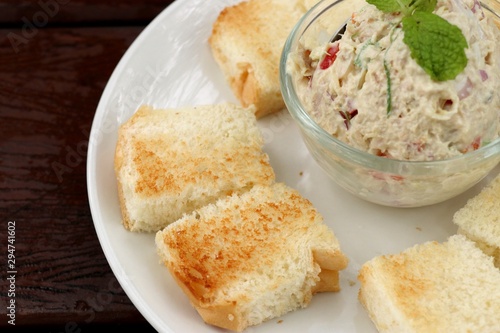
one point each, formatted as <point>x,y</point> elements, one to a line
<point>170,65</point>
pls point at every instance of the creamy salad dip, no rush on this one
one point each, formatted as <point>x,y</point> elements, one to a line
<point>366,90</point>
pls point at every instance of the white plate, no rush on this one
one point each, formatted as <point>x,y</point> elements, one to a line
<point>170,65</point>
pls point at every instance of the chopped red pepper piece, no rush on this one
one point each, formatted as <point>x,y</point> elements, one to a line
<point>476,144</point>
<point>330,56</point>
<point>384,176</point>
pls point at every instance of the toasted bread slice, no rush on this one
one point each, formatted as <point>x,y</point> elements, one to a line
<point>433,287</point>
<point>479,219</point>
<point>247,40</point>
<point>253,257</point>
<point>170,162</point>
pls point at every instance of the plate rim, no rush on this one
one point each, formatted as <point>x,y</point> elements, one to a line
<point>94,204</point>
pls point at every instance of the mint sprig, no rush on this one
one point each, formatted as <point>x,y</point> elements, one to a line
<point>407,7</point>
<point>435,44</point>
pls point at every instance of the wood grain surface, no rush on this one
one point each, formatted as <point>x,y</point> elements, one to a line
<point>51,79</point>
<point>79,12</point>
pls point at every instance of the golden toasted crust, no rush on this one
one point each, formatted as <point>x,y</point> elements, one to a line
<point>432,287</point>
<point>221,315</point>
<point>246,41</point>
<point>204,272</point>
<point>402,273</point>
<point>170,162</point>
<point>204,275</point>
<point>162,170</point>
<point>227,315</point>
<point>479,219</point>
<point>269,235</point>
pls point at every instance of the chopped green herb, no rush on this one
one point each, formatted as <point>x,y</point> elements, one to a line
<point>389,88</point>
<point>357,61</point>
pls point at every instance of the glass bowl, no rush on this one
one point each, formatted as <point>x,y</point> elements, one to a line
<point>374,178</point>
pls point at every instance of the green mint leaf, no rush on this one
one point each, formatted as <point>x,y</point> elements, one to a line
<point>423,5</point>
<point>387,6</point>
<point>436,45</point>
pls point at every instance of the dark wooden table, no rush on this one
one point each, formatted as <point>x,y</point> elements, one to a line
<point>56,57</point>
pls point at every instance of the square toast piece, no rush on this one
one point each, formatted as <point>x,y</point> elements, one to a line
<point>247,40</point>
<point>433,287</point>
<point>253,257</point>
<point>169,162</point>
<point>479,219</point>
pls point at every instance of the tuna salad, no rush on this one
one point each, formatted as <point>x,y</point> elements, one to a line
<point>367,90</point>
